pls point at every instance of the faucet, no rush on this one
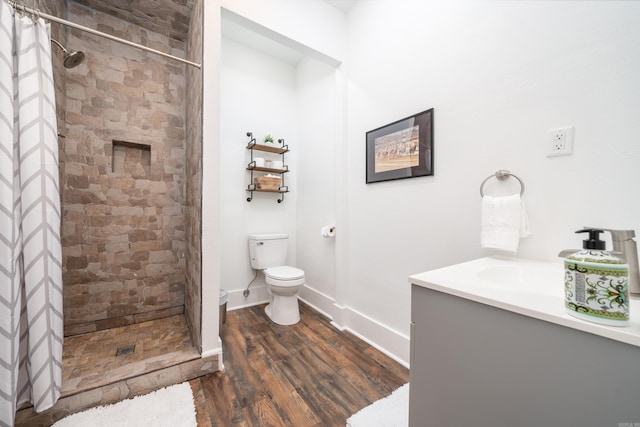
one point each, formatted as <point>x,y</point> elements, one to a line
<point>623,242</point>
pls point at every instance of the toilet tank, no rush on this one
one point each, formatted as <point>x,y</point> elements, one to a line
<point>268,250</point>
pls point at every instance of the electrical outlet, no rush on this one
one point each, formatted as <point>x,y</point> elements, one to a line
<point>560,141</point>
<point>559,138</point>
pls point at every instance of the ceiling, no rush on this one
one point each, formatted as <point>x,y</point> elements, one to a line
<point>168,17</point>
<point>286,50</point>
<point>239,33</point>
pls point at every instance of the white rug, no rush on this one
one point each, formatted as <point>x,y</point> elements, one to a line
<point>171,407</point>
<point>391,411</point>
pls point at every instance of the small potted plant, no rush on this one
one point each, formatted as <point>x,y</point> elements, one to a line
<point>268,139</point>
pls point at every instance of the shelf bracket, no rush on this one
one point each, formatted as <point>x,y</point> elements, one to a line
<point>250,188</point>
<point>251,138</point>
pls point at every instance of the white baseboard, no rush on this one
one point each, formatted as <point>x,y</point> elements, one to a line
<point>320,302</point>
<point>388,341</point>
<point>257,295</point>
<point>214,352</point>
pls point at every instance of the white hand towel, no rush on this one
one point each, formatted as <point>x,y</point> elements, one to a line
<point>504,222</point>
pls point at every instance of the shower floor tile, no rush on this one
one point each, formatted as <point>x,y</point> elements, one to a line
<point>90,360</point>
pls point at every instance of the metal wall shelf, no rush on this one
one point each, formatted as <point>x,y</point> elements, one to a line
<point>281,150</point>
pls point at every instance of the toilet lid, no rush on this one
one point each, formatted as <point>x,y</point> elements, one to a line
<point>284,272</point>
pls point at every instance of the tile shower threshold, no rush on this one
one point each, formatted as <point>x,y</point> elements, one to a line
<point>184,368</point>
<point>78,385</point>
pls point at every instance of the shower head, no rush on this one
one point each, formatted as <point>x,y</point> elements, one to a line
<point>71,59</point>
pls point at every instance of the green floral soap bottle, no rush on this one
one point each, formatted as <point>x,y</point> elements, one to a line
<point>596,283</point>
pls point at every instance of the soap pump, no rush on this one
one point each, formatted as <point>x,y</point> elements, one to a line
<point>596,283</point>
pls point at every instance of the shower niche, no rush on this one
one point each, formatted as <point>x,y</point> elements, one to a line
<point>131,158</point>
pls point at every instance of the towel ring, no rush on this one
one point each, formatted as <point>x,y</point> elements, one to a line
<point>501,175</point>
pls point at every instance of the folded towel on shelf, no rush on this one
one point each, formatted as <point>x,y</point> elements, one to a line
<point>504,222</point>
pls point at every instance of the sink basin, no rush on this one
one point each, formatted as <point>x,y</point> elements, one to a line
<point>497,277</point>
<point>522,278</point>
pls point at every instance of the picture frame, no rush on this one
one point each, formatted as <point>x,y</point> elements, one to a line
<point>402,149</point>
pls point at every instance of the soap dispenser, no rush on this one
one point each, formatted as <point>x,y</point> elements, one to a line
<point>596,283</point>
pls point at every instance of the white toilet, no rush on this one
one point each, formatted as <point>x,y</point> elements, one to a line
<point>268,253</point>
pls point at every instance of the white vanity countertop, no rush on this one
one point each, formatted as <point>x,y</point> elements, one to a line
<point>531,288</point>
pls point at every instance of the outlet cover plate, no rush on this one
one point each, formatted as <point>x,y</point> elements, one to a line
<point>560,141</point>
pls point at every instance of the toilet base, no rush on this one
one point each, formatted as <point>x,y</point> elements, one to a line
<point>283,310</point>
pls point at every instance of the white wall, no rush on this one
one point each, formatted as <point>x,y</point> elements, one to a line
<point>211,224</point>
<point>499,75</point>
<point>316,114</point>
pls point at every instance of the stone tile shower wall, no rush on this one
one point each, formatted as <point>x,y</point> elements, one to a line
<point>124,178</point>
<point>193,283</point>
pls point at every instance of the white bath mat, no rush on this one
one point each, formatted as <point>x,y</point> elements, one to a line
<point>171,407</point>
<point>391,411</point>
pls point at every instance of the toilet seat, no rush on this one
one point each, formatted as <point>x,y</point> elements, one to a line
<point>284,272</point>
<point>284,276</point>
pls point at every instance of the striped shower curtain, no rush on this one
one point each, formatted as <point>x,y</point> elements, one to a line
<point>31,323</point>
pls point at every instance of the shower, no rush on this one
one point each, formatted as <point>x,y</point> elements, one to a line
<point>71,59</point>
<point>128,169</point>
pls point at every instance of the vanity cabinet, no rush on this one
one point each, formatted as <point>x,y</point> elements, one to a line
<point>253,146</point>
<point>474,364</point>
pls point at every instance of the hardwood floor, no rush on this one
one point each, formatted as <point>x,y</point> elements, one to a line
<point>308,374</point>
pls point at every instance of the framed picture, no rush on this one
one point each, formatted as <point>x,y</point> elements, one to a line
<point>402,149</point>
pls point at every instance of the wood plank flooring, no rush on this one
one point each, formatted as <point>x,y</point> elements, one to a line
<point>309,374</point>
